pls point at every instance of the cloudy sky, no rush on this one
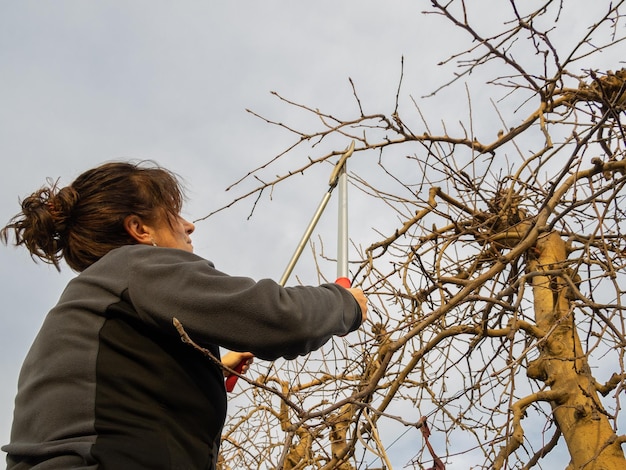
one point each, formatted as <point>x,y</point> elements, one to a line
<point>84,82</point>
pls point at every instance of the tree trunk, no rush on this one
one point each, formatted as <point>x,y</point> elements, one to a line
<point>563,366</point>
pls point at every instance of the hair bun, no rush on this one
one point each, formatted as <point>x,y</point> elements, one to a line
<point>44,221</point>
<point>62,203</point>
<point>61,206</point>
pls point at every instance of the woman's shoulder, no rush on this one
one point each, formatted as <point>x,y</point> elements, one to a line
<point>120,265</point>
<point>131,254</point>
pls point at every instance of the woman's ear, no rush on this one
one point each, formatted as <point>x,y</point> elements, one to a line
<point>138,230</point>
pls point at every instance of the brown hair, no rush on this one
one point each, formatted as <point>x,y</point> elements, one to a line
<point>85,220</point>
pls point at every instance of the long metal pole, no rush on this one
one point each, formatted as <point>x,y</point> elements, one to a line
<point>335,179</point>
<point>342,228</point>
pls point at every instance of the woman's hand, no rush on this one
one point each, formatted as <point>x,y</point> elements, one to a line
<point>233,359</point>
<point>362,300</point>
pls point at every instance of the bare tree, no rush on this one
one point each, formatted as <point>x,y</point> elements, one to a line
<point>497,282</point>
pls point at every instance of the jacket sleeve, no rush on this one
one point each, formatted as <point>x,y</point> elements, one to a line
<point>238,313</point>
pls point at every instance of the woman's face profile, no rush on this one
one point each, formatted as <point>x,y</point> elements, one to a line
<point>173,232</point>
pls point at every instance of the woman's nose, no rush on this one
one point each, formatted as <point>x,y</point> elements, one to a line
<point>189,227</point>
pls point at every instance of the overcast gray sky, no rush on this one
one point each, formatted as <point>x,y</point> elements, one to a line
<point>84,82</point>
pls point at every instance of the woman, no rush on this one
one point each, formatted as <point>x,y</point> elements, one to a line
<point>108,383</point>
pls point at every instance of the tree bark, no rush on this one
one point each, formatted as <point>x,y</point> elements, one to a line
<point>563,366</point>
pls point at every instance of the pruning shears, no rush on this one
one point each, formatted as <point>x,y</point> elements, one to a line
<point>338,179</point>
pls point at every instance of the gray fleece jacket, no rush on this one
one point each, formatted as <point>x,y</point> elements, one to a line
<point>108,384</point>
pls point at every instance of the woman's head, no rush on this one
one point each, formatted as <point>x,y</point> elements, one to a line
<point>87,219</point>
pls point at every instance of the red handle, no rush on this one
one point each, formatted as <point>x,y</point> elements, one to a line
<point>231,380</point>
<point>344,282</point>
